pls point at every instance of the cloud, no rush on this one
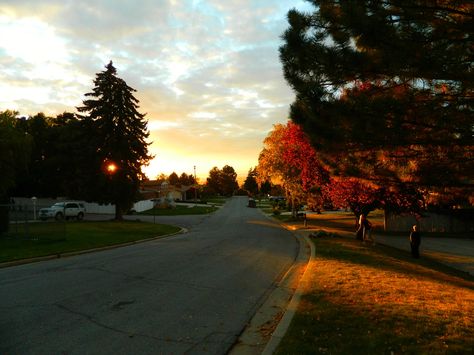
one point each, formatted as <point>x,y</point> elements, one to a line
<point>207,72</point>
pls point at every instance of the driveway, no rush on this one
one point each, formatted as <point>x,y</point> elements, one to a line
<point>192,293</point>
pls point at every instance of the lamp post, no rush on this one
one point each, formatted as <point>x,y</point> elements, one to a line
<point>34,207</point>
<point>109,167</point>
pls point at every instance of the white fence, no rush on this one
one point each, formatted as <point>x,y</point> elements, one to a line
<point>144,205</point>
<point>91,207</point>
<point>96,208</point>
<point>432,222</point>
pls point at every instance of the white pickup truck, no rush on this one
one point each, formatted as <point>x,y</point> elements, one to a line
<point>62,210</point>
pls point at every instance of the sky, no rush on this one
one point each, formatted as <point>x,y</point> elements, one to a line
<point>207,72</point>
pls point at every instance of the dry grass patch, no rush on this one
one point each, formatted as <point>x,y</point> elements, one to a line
<point>377,300</point>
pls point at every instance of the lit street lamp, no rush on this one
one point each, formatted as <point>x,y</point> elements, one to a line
<point>111,168</point>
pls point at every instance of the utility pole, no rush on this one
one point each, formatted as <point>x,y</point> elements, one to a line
<point>195,185</point>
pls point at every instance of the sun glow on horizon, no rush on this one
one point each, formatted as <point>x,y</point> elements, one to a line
<point>167,162</point>
<point>211,88</point>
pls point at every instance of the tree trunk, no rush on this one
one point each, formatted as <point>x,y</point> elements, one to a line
<point>118,213</point>
<point>4,217</point>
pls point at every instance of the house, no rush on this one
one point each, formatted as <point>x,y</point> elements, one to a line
<point>153,189</point>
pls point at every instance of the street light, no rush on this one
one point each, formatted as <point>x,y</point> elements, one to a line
<point>34,199</point>
<point>111,168</point>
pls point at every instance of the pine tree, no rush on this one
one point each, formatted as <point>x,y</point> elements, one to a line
<point>250,183</point>
<point>119,134</point>
<point>384,89</point>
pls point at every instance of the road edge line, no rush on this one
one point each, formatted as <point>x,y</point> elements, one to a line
<point>283,288</point>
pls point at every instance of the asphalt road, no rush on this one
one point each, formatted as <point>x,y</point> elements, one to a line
<point>188,294</point>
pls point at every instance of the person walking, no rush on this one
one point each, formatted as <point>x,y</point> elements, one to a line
<point>415,241</point>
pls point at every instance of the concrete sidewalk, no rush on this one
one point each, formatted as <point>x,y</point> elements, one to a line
<point>454,252</point>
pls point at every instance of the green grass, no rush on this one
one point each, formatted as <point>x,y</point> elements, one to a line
<point>361,299</point>
<point>51,238</point>
<point>179,211</point>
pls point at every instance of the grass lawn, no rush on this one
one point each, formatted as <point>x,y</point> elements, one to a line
<point>179,211</point>
<point>55,238</point>
<point>361,299</point>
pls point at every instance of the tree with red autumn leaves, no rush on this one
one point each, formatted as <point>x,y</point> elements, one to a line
<point>362,197</point>
<point>289,158</point>
<point>353,193</point>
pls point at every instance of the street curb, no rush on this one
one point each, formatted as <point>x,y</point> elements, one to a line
<point>277,303</point>
<point>87,251</point>
<point>282,327</point>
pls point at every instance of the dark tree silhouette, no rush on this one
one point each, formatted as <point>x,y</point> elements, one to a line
<point>119,133</point>
<point>250,183</point>
<point>223,182</point>
<point>384,89</point>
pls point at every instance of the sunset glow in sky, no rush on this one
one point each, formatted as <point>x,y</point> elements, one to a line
<point>207,72</point>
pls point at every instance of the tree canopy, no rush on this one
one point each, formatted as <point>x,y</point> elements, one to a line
<point>384,89</point>
<point>222,181</point>
<point>15,148</point>
<point>289,158</point>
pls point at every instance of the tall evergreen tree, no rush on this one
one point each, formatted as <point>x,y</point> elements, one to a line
<point>119,134</point>
<point>385,88</point>
<point>250,183</point>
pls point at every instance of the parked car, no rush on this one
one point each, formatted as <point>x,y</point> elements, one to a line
<point>277,198</point>
<point>60,210</point>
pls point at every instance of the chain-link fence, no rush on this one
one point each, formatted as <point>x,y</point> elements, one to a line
<point>26,221</point>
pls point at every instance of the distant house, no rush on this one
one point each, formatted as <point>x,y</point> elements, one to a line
<point>155,189</point>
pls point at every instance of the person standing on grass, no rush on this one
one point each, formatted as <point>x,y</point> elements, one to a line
<point>364,228</point>
<point>415,241</point>
<point>360,227</point>
<point>367,230</point>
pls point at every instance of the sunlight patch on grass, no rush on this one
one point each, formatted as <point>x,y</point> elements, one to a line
<point>361,300</point>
